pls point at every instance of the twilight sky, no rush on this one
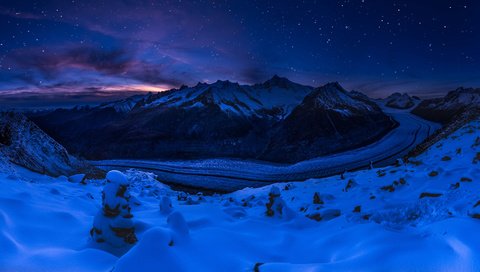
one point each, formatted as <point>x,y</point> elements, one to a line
<point>63,52</point>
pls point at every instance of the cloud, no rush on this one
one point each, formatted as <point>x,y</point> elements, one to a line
<point>112,61</point>
<point>60,96</point>
<point>155,43</point>
<point>117,63</point>
<point>153,74</point>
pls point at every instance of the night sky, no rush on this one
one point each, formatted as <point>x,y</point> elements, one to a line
<point>63,52</point>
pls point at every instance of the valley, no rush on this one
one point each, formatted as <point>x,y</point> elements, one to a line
<point>227,175</point>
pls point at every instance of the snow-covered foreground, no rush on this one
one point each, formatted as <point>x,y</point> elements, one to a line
<point>233,174</point>
<point>414,217</point>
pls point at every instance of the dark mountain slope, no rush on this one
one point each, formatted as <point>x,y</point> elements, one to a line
<point>328,120</point>
<point>222,119</point>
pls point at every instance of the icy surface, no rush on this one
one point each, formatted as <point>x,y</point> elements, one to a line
<point>419,216</point>
<point>233,174</point>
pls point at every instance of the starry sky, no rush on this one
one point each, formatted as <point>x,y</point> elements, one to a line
<point>64,52</point>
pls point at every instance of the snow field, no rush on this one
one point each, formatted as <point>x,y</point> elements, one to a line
<point>420,216</point>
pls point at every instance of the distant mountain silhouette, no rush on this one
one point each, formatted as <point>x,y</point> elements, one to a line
<point>277,120</point>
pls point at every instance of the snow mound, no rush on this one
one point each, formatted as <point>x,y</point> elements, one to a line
<point>117,177</point>
<point>154,250</point>
<point>113,224</point>
<point>166,206</point>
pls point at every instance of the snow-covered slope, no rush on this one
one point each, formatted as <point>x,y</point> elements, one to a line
<point>418,216</point>
<point>454,103</point>
<point>461,97</point>
<point>23,143</point>
<point>359,95</point>
<point>125,105</point>
<point>277,96</point>
<point>400,101</point>
<point>333,97</point>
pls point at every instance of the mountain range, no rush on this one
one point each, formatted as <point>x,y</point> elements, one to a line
<point>277,120</point>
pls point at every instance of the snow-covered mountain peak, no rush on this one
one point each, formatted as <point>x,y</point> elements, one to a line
<point>279,82</point>
<point>125,105</point>
<point>224,89</point>
<point>277,96</point>
<point>454,103</point>
<point>400,101</point>
<point>463,96</point>
<point>282,83</point>
<point>333,96</point>
<point>225,84</point>
<point>358,94</point>
<point>464,89</point>
<point>334,86</point>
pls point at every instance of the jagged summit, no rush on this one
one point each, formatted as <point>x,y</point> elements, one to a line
<point>359,95</point>
<point>280,82</point>
<point>277,96</point>
<point>454,103</point>
<point>334,97</point>
<point>464,89</point>
<point>222,84</point>
<point>333,85</point>
<point>127,104</point>
<point>400,101</point>
<point>462,97</point>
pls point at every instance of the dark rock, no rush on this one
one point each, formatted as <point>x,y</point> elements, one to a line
<point>425,194</point>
